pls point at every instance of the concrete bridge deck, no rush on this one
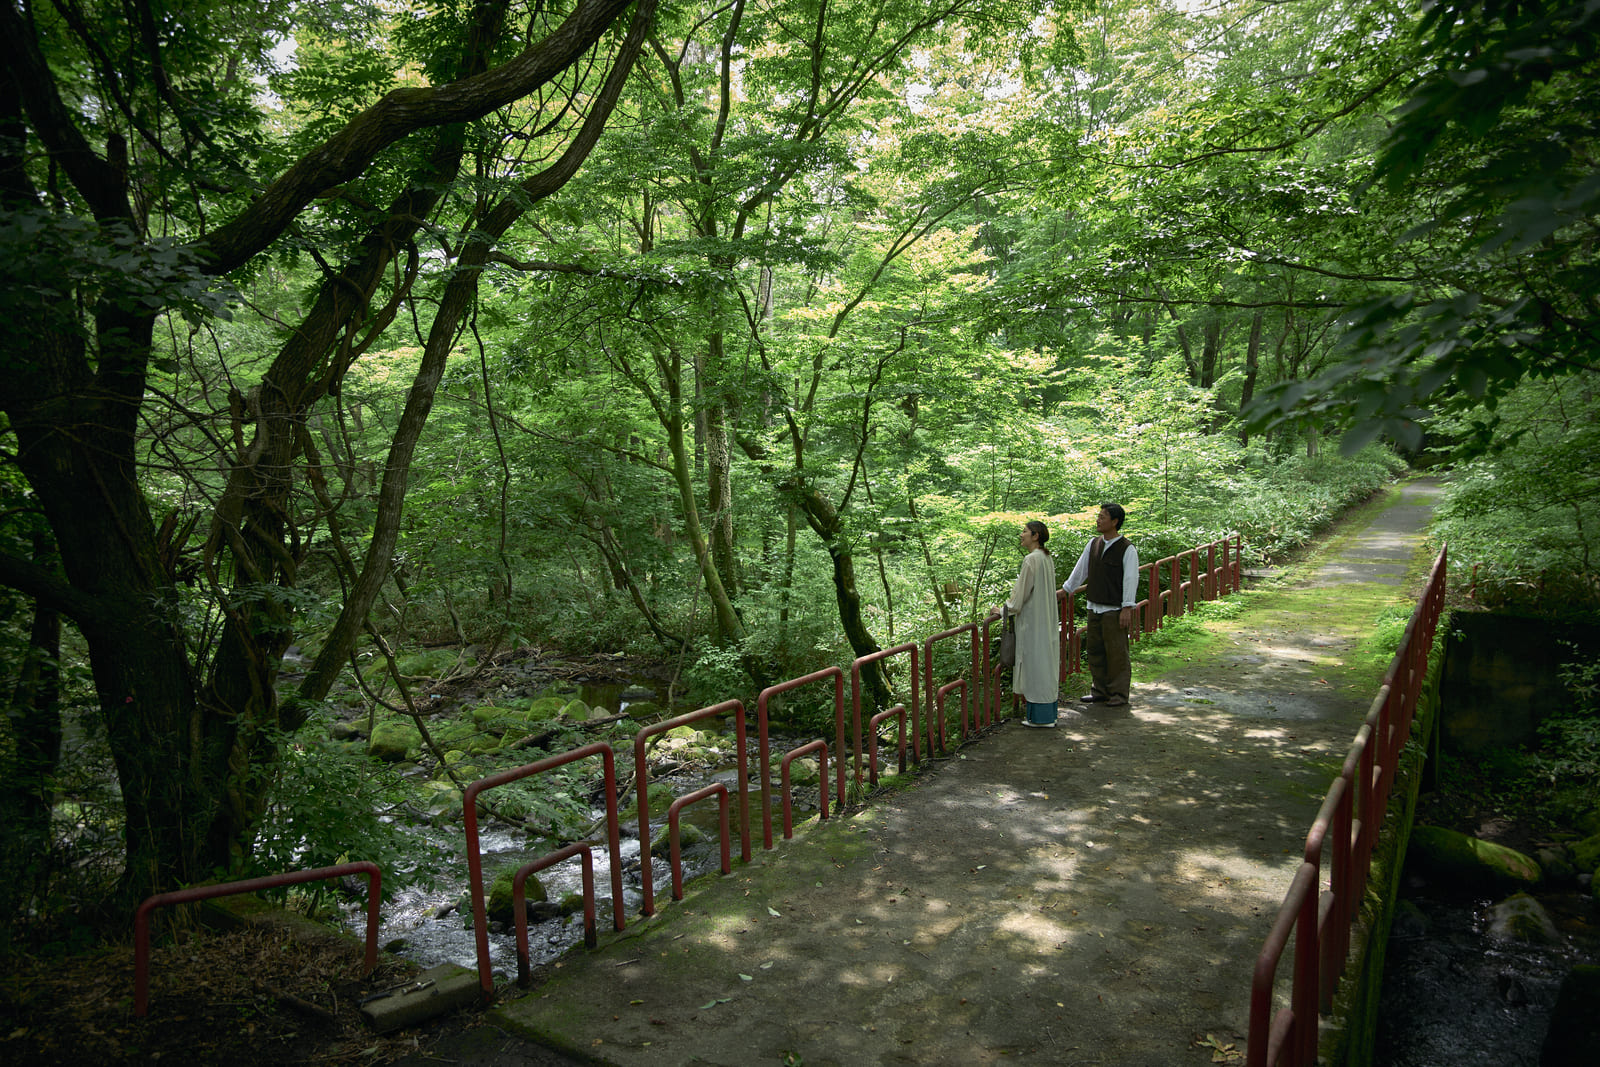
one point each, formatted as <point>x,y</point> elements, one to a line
<point>1096,894</point>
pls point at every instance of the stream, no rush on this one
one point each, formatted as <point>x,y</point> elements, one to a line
<point>1455,997</point>
<point>432,925</point>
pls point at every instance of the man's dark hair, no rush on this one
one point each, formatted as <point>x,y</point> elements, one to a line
<point>1116,512</point>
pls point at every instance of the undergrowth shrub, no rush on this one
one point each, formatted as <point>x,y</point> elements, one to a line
<point>329,804</point>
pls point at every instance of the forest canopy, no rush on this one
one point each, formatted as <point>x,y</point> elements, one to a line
<point>740,334</point>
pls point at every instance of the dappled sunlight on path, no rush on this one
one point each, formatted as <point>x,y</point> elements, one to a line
<point>1092,894</point>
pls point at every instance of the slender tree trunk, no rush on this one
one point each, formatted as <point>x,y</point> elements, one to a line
<point>826,522</point>
<point>1252,364</point>
<point>729,626</point>
<point>719,483</point>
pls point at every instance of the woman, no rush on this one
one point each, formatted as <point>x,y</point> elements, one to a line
<point>1033,601</point>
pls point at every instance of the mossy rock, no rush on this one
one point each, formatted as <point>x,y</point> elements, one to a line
<point>456,733</point>
<point>484,742</point>
<point>1586,854</point>
<point>394,741</point>
<point>430,663</point>
<point>499,902</point>
<point>441,798</point>
<point>661,798</point>
<point>645,709</point>
<point>1470,862</point>
<point>803,771</point>
<point>1521,918</point>
<point>346,731</point>
<point>494,715</point>
<point>575,710</point>
<point>543,709</point>
<point>1557,866</point>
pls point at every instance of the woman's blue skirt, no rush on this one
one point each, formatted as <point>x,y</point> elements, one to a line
<point>1041,714</point>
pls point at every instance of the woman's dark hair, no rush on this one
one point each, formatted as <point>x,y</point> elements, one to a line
<point>1040,531</point>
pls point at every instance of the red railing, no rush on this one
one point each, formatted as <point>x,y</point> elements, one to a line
<point>926,708</point>
<point>762,729</point>
<point>641,776</point>
<point>585,852</point>
<point>822,782</point>
<point>1215,578</point>
<point>715,789</point>
<point>141,918</point>
<point>910,648</point>
<point>1346,830</point>
<point>469,802</point>
<point>897,712</point>
<point>935,695</point>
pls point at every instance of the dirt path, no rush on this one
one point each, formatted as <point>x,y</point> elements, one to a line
<point>1095,894</point>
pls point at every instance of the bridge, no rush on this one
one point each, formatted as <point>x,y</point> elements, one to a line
<point>1104,893</point>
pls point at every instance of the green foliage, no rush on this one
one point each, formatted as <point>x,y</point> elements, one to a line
<point>1522,518</point>
<point>1280,505</point>
<point>1568,758</point>
<point>328,804</point>
<point>1496,144</point>
<point>719,672</point>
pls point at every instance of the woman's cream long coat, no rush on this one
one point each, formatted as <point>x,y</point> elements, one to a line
<point>1033,600</point>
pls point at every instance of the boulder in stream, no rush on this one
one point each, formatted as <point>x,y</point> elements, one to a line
<point>1521,918</point>
<point>392,741</point>
<point>1470,863</point>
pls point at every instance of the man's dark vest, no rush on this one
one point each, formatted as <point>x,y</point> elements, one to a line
<point>1105,571</point>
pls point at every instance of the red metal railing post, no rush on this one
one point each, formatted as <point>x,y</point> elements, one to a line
<point>855,694</point>
<point>944,691</point>
<point>1152,601</point>
<point>469,819</point>
<point>928,683</point>
<point>641,775</point>
<point>519,913</point>
<point>674,852</point>
<point>899,712</point>
<point>822,779</point>
<point>762,726</point>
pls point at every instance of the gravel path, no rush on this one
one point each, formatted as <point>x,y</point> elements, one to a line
<point>1096,894</point>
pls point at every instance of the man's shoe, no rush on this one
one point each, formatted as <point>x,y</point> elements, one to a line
<point>1116,703</point>
<point>1092,698</point>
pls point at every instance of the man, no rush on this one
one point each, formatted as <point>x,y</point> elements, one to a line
<point>1108,571</point>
